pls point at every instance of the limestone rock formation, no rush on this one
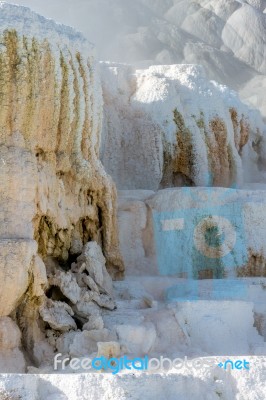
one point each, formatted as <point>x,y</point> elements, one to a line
<point>54,193</point>
<point>11,358</point>
<point>164,126</point>
<point>169,126</point>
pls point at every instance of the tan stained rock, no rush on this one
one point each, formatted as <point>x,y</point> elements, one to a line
<point>55,195</point>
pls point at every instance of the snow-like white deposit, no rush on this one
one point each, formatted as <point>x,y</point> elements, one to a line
<point>202,384</point>
<point>227,37</point>
<point>247,45</point>
<point>193,329</point>
<point>148,112</point>
<point>30,24</point>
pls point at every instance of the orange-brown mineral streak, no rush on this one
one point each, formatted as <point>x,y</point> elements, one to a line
<point>49,100</point>
<point>220,156</point>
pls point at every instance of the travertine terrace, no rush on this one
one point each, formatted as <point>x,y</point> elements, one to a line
<point>55,195</point>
